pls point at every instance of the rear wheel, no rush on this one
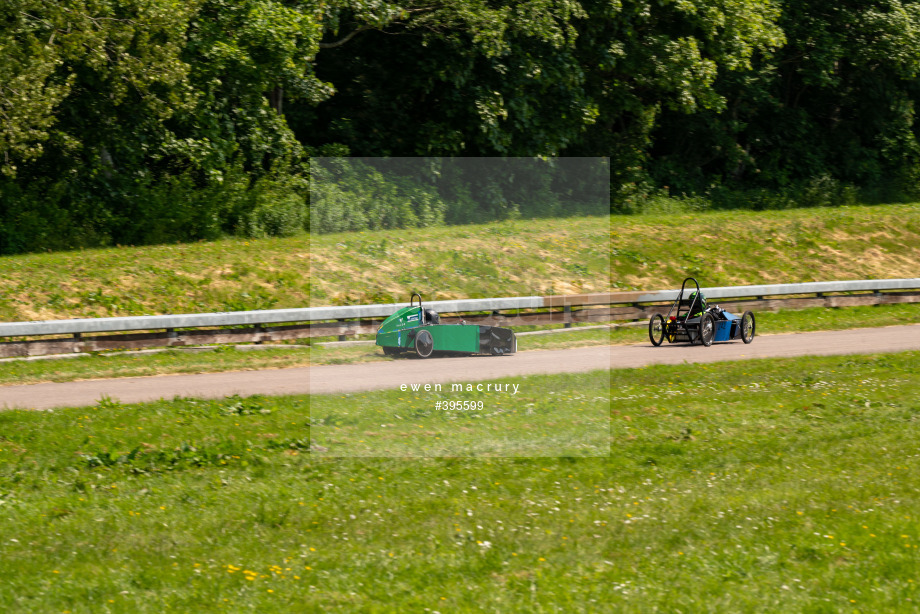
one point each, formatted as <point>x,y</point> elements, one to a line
<point>424,344</point>
<point>656,329</point>
<point>707,329</point>
<point>747,327</point>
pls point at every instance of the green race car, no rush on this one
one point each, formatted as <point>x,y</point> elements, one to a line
<point>417,329</point>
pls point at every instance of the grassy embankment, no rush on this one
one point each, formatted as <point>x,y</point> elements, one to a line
<point>776,485</point>
<point>504,259</point>
<point>508,259</point>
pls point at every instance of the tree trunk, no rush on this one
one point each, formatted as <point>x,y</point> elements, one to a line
<point>276,98</point>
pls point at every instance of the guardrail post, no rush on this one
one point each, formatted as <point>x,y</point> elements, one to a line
<point>567,316</point>
<point>342,337</point>
<point>171,336</point>
<point>77,342</point>
<point>258,332</point>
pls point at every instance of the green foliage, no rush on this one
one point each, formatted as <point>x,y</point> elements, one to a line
<point>359,194</point>
<point>68,214</point>
<point>835,104</point>
<point>274,206</point>
<point>150,122</point>
<point>473,78</point>
<point>154,121</point>
<point>353,195</point>
<point>27,96</point>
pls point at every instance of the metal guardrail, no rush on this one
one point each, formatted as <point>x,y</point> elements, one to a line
<point>277,324</point>
<point>816,287</point>
<point>121,324</point>
<point>347,312</point>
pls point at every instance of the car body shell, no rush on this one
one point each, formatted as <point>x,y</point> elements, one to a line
<point>417,329</point>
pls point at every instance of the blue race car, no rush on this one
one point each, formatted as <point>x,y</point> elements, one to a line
<point>691,319</point>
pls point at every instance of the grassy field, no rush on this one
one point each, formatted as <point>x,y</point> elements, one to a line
<point>517,258</point>
<point>531,416</point>
<point>228,358</point>
<point>777,485</point>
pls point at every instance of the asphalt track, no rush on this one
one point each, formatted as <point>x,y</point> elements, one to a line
<point>373,376</point>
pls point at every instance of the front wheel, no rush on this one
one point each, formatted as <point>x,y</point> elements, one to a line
<point>707,329</point>
<point>389,351</point>
<point>424,344</point>
<point>656,329</point>
<point>747,327</point>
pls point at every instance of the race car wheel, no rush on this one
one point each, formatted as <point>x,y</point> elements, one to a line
<point>707,329</point>
<point>424,344</point>
<point>656,329</point>
<point>747,327</point>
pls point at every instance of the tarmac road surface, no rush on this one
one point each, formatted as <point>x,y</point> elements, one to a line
<point>373,376</point>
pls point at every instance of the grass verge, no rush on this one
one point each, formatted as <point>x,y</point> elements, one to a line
<point>774,485</point>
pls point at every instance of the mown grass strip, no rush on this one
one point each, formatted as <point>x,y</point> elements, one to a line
<point>775,485</point>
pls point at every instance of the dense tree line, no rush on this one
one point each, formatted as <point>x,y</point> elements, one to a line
<point>357,193</point>
<point>137,121</point>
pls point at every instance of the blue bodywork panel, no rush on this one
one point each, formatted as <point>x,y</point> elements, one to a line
<point>723,330</point>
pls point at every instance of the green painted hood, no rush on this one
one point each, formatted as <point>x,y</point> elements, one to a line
<point>407,317</point>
